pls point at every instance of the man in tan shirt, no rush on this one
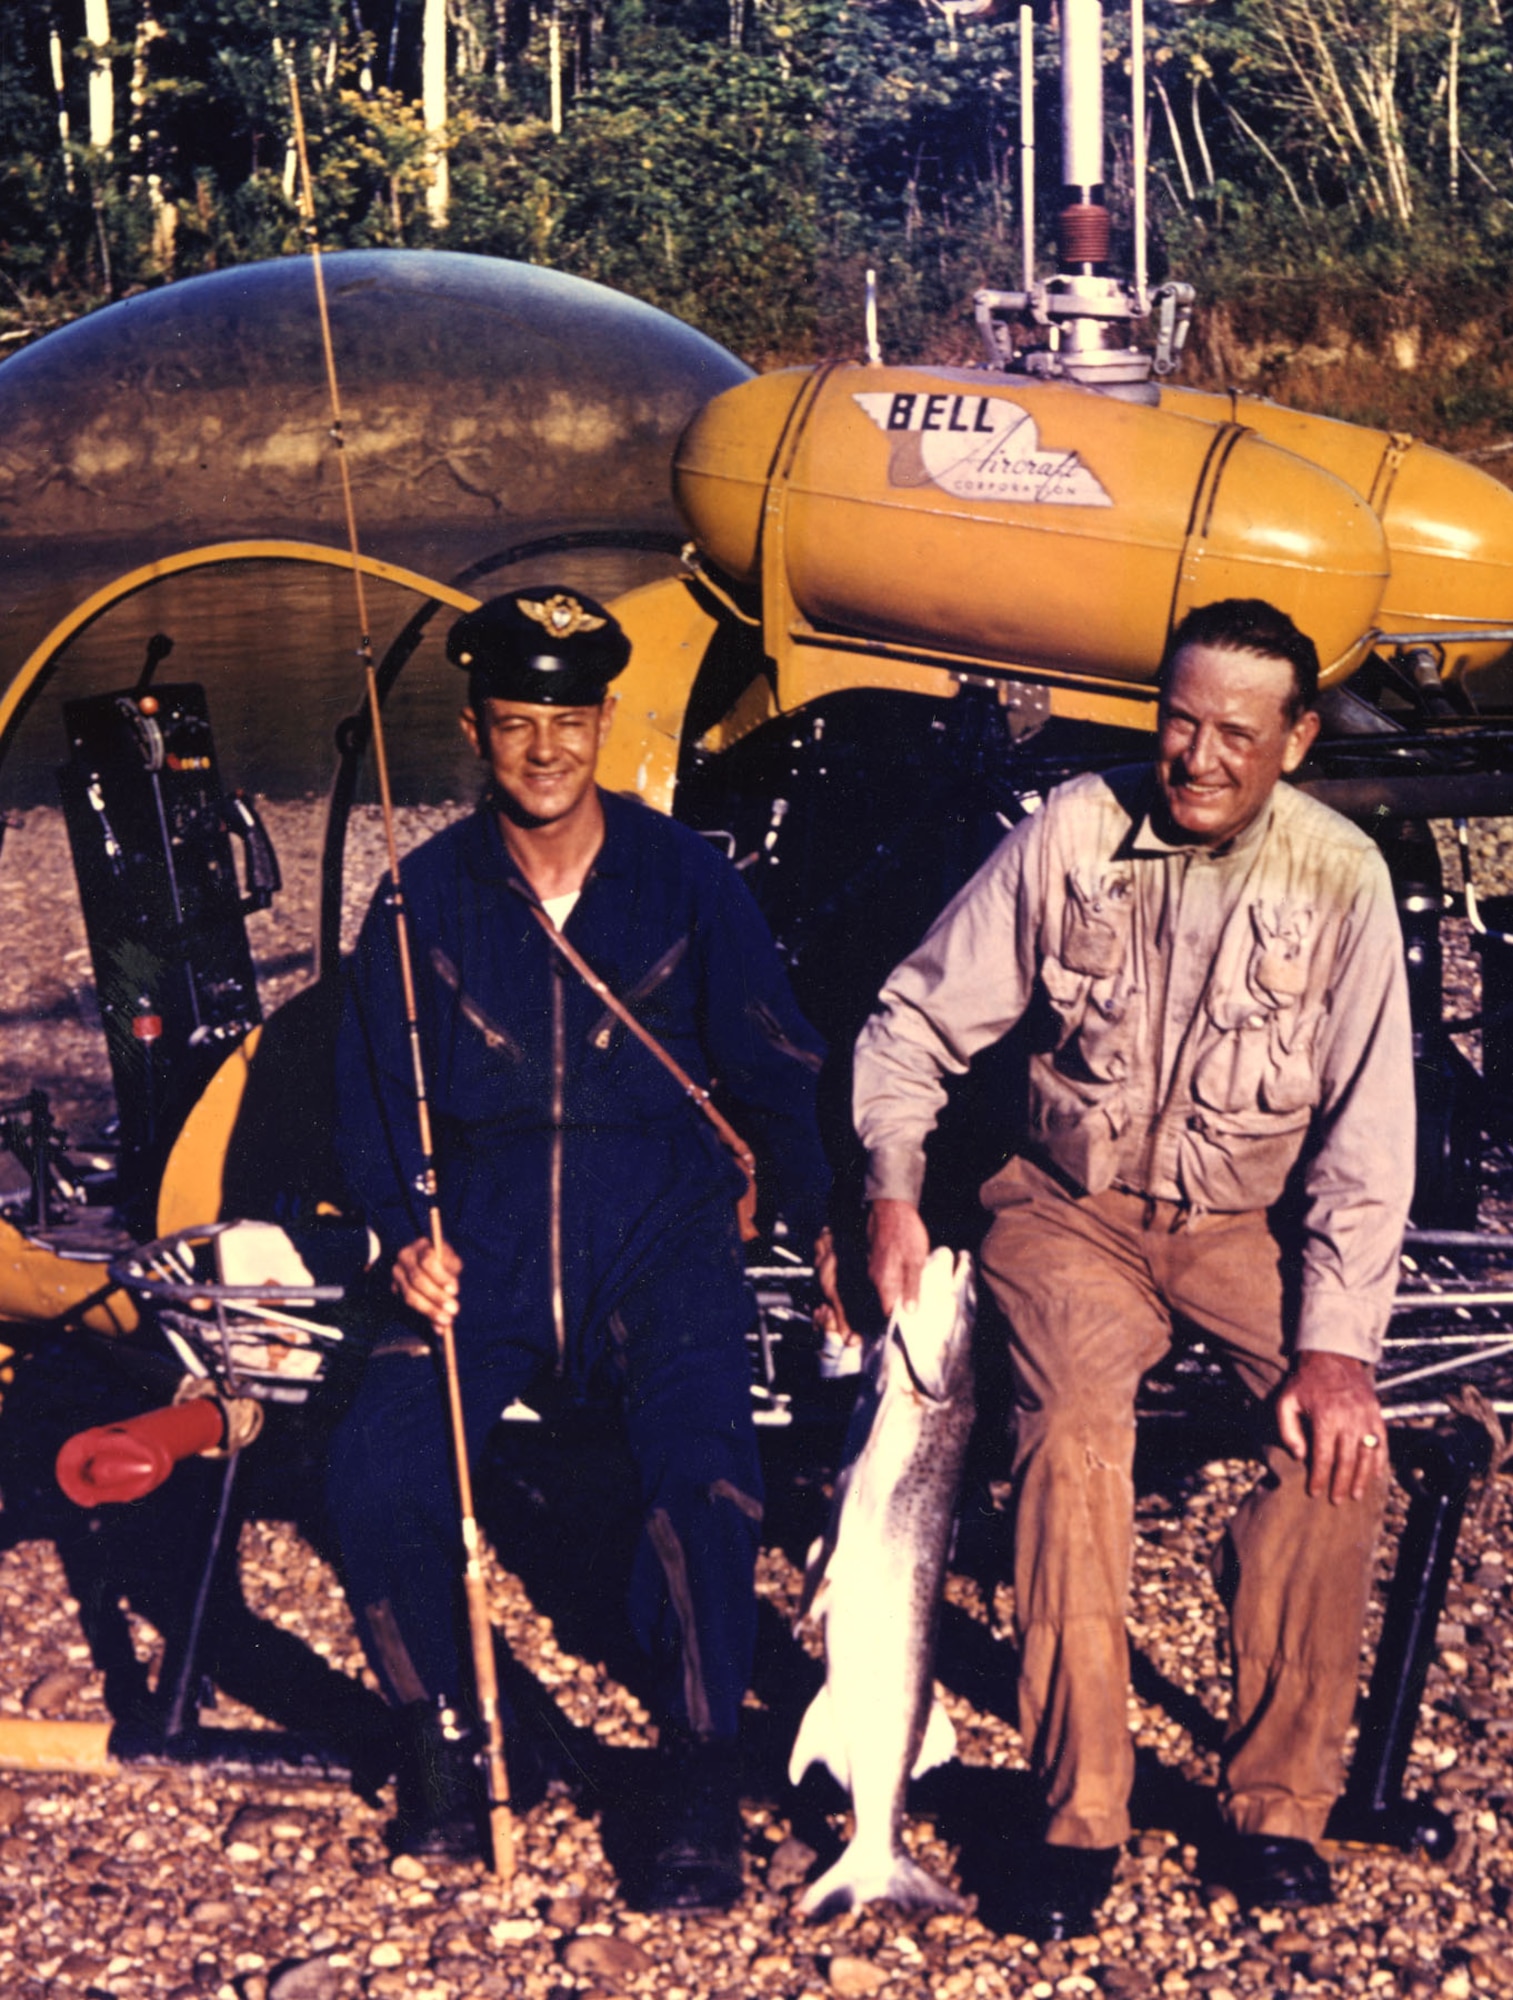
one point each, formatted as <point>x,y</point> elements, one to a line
<point>1211,971</point>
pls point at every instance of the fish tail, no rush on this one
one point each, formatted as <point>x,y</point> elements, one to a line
<point>892,1878</point>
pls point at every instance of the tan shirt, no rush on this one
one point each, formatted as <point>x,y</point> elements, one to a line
<point>1200,1020</point>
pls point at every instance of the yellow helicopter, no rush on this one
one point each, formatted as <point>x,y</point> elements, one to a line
<point>895,586</point>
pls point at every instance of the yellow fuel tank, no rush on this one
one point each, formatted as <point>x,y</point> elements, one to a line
<point>1035,524</point>
<point>1449,526</point>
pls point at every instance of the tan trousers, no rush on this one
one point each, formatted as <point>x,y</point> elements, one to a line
<point>1089,1286</point>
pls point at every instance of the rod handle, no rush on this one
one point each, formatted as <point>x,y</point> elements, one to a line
<point>486,1684</point>
<point>119,1462</point>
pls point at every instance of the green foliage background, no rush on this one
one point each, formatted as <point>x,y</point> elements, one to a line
<point>1336,176</point>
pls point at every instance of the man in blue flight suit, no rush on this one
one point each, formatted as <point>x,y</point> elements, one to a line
<point>588,1212</point>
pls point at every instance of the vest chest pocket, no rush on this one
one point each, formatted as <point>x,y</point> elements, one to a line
<point>1227,1075</point>
<point>1085,981</point>
<point>1096,921</point>
<point>1261,1061</point>
<point>1290,1081</point>
<point>1093,1028</point>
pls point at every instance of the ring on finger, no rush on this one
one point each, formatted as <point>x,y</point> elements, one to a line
<point>1371,1441</point>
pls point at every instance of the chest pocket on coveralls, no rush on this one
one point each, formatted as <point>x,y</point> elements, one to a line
<point>486,1059</point>
<point>608,1029</point>
<point>1261,1062</point>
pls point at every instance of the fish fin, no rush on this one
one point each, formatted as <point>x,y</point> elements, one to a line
<point>816,1565</point>
<point>893,1878</point>
<point>819,1742</point>
<point>939,1743</point>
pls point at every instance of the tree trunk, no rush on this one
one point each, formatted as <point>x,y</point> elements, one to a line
<point>554,52</point>
<point>468,57</point>
<point>365,45</point>
<point>102,242</point>
<point>392,58</point>
<point>1453,109</point>
<point>1261,147</point>
<point>55,60</point>
<point>102,102</point>
<point>146,147</point>
<point>433,97</point>
<point>1198,132</point>
<point>290,179</point>
<point>1178,148</point>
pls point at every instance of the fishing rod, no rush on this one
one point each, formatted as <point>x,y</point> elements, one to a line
<point>480,1631</point>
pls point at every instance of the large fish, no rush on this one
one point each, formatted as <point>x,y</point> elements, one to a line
<point>875,1581</point>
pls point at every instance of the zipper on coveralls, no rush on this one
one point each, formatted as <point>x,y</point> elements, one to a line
<point>554,1225</point>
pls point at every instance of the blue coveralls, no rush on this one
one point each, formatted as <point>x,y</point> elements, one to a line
<point>592,1207</point>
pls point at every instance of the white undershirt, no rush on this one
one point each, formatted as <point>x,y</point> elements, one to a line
<point>560,908</point>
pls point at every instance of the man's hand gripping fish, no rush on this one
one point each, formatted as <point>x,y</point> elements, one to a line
<point>875,1581</point>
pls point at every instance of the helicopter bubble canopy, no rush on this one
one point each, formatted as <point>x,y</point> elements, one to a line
<point>475,391</point>
<point>486,404</point>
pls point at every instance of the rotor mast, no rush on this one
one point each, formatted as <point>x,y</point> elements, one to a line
<point>1076,325</point>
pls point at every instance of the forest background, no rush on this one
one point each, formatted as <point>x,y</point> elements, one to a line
<point>1335,176</point>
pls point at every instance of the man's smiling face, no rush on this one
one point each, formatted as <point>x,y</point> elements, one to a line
<point>542,757</point>
<point>1228,732</point>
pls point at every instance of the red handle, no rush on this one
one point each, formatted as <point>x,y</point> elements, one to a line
<point>123,1461</point>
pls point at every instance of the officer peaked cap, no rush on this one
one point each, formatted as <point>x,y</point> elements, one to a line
<point>544,644</point>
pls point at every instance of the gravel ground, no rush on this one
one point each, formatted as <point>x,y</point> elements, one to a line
<point>191,1884</point>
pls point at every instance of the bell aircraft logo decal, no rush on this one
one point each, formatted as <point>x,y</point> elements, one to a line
<point>978,448</point>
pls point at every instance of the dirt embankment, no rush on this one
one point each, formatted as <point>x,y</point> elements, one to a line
<point>1399,360</point>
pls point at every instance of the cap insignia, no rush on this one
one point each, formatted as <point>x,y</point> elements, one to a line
<point>561,615</point>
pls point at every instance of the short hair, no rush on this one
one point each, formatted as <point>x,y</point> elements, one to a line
<point>1250,625</point>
